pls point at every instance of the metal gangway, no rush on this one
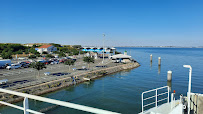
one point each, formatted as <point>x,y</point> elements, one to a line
<point>26,109</point>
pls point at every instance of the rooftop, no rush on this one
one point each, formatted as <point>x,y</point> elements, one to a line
<point>45,46</point>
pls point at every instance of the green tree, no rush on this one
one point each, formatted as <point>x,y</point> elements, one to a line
<point>19,52</point>
<point>49,56</point>
<point>38,66</point>
<point>69,62</point>
<point>6,55</point>
<point>55,45</point>
<point>44,52</point>
<point>32,57</point>
<point>34,46</point>
<point>61,54</point>
<point>88,60</point>
<point>26,52</point>
<point>77,46</point>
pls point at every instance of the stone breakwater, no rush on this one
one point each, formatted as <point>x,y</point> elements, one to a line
<point>65,82</point>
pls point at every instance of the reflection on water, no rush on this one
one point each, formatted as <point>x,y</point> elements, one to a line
<point>88,84</point>
<point>159,69</point>
<point>150,65</point>
<point>169,83</point>
<point>124,73</point>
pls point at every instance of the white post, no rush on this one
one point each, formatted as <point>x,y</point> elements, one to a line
<point>189,86</point>
<point>103,49</point>
<point>26,105</point>
<point>151,58</point>
<point>171,100</point>
<point>142,104</point>
<point>169,75</point>
<point>156,98</point>
<point>159,61</point>
<point>168,94</point>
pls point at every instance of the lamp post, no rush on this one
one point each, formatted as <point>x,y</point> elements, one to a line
<point>189,85</point>
<point>103,48</point>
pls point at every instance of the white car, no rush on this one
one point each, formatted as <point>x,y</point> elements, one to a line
<point>54,62</point>
<point>13,66</point>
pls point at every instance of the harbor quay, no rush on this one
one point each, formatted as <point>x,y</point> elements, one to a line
<point>60,76</point>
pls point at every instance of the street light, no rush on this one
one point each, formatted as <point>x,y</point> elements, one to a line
<point>103,48</point>
<point>189,86</point>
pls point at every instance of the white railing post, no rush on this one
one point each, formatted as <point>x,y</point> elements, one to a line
<point>142,103</point>
<point>156,98</point>
<point>171,100</point>
<point>26,105</point>
<point>168,94</point>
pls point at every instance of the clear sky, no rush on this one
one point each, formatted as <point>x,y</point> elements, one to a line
<point>125,22</point>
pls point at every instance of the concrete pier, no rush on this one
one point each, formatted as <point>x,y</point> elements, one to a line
<point>47,86</point>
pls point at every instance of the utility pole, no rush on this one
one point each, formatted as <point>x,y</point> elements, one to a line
<point>103,48</point>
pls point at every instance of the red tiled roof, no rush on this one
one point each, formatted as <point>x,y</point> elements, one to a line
<point>45,46</point>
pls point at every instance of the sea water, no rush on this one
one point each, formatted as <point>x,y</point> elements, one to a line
<point>121,92</point>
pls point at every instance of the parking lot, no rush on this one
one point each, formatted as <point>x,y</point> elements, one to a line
<point>29,76</point>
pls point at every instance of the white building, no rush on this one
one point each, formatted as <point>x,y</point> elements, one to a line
<point>123,58</point>
<point>46,48</point>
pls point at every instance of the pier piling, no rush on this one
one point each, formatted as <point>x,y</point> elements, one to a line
<point>159,61</point>
<point>151,58</point>
<point>169,75</point>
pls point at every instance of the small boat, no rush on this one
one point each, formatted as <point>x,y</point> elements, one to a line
<point>87,79</point>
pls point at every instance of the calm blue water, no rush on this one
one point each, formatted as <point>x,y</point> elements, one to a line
<point>121,92</point>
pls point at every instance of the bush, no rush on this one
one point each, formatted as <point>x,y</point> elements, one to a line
<point>61,54</point>
<point>44,52</point>
<point>6,55</point>
<point>49,56</point>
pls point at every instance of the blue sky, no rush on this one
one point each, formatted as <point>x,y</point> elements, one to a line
<point>125,22</point>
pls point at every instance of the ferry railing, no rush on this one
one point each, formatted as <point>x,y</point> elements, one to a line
<point>155,96</point>
<point>26,109</point>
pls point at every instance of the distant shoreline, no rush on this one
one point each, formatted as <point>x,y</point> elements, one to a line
<point>158,47</point>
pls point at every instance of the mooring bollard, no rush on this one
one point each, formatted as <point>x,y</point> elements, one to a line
<point>151,57</point>
<point>159,61</point>
<point>169,75</point>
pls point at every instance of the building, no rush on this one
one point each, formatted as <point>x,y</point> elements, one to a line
<point>99,49</point>
<point>121,58</point>
<point>46,48</point>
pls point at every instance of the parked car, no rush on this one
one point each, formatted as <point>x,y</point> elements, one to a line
<point>4,63</point>
<point>54,62</point>
<point>26,65</point>
<point>13,66</point>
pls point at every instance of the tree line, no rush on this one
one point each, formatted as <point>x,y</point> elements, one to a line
<point>7,50</point>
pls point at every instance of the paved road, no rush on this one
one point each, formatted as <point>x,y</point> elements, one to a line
<point>30,75</point>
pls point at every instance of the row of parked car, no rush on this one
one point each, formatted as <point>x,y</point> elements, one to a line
<point>6,64</point>
<point>26,64</point>
<point>55,61</point>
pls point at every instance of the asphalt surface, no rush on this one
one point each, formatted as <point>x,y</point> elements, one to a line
<point>29,76</point>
